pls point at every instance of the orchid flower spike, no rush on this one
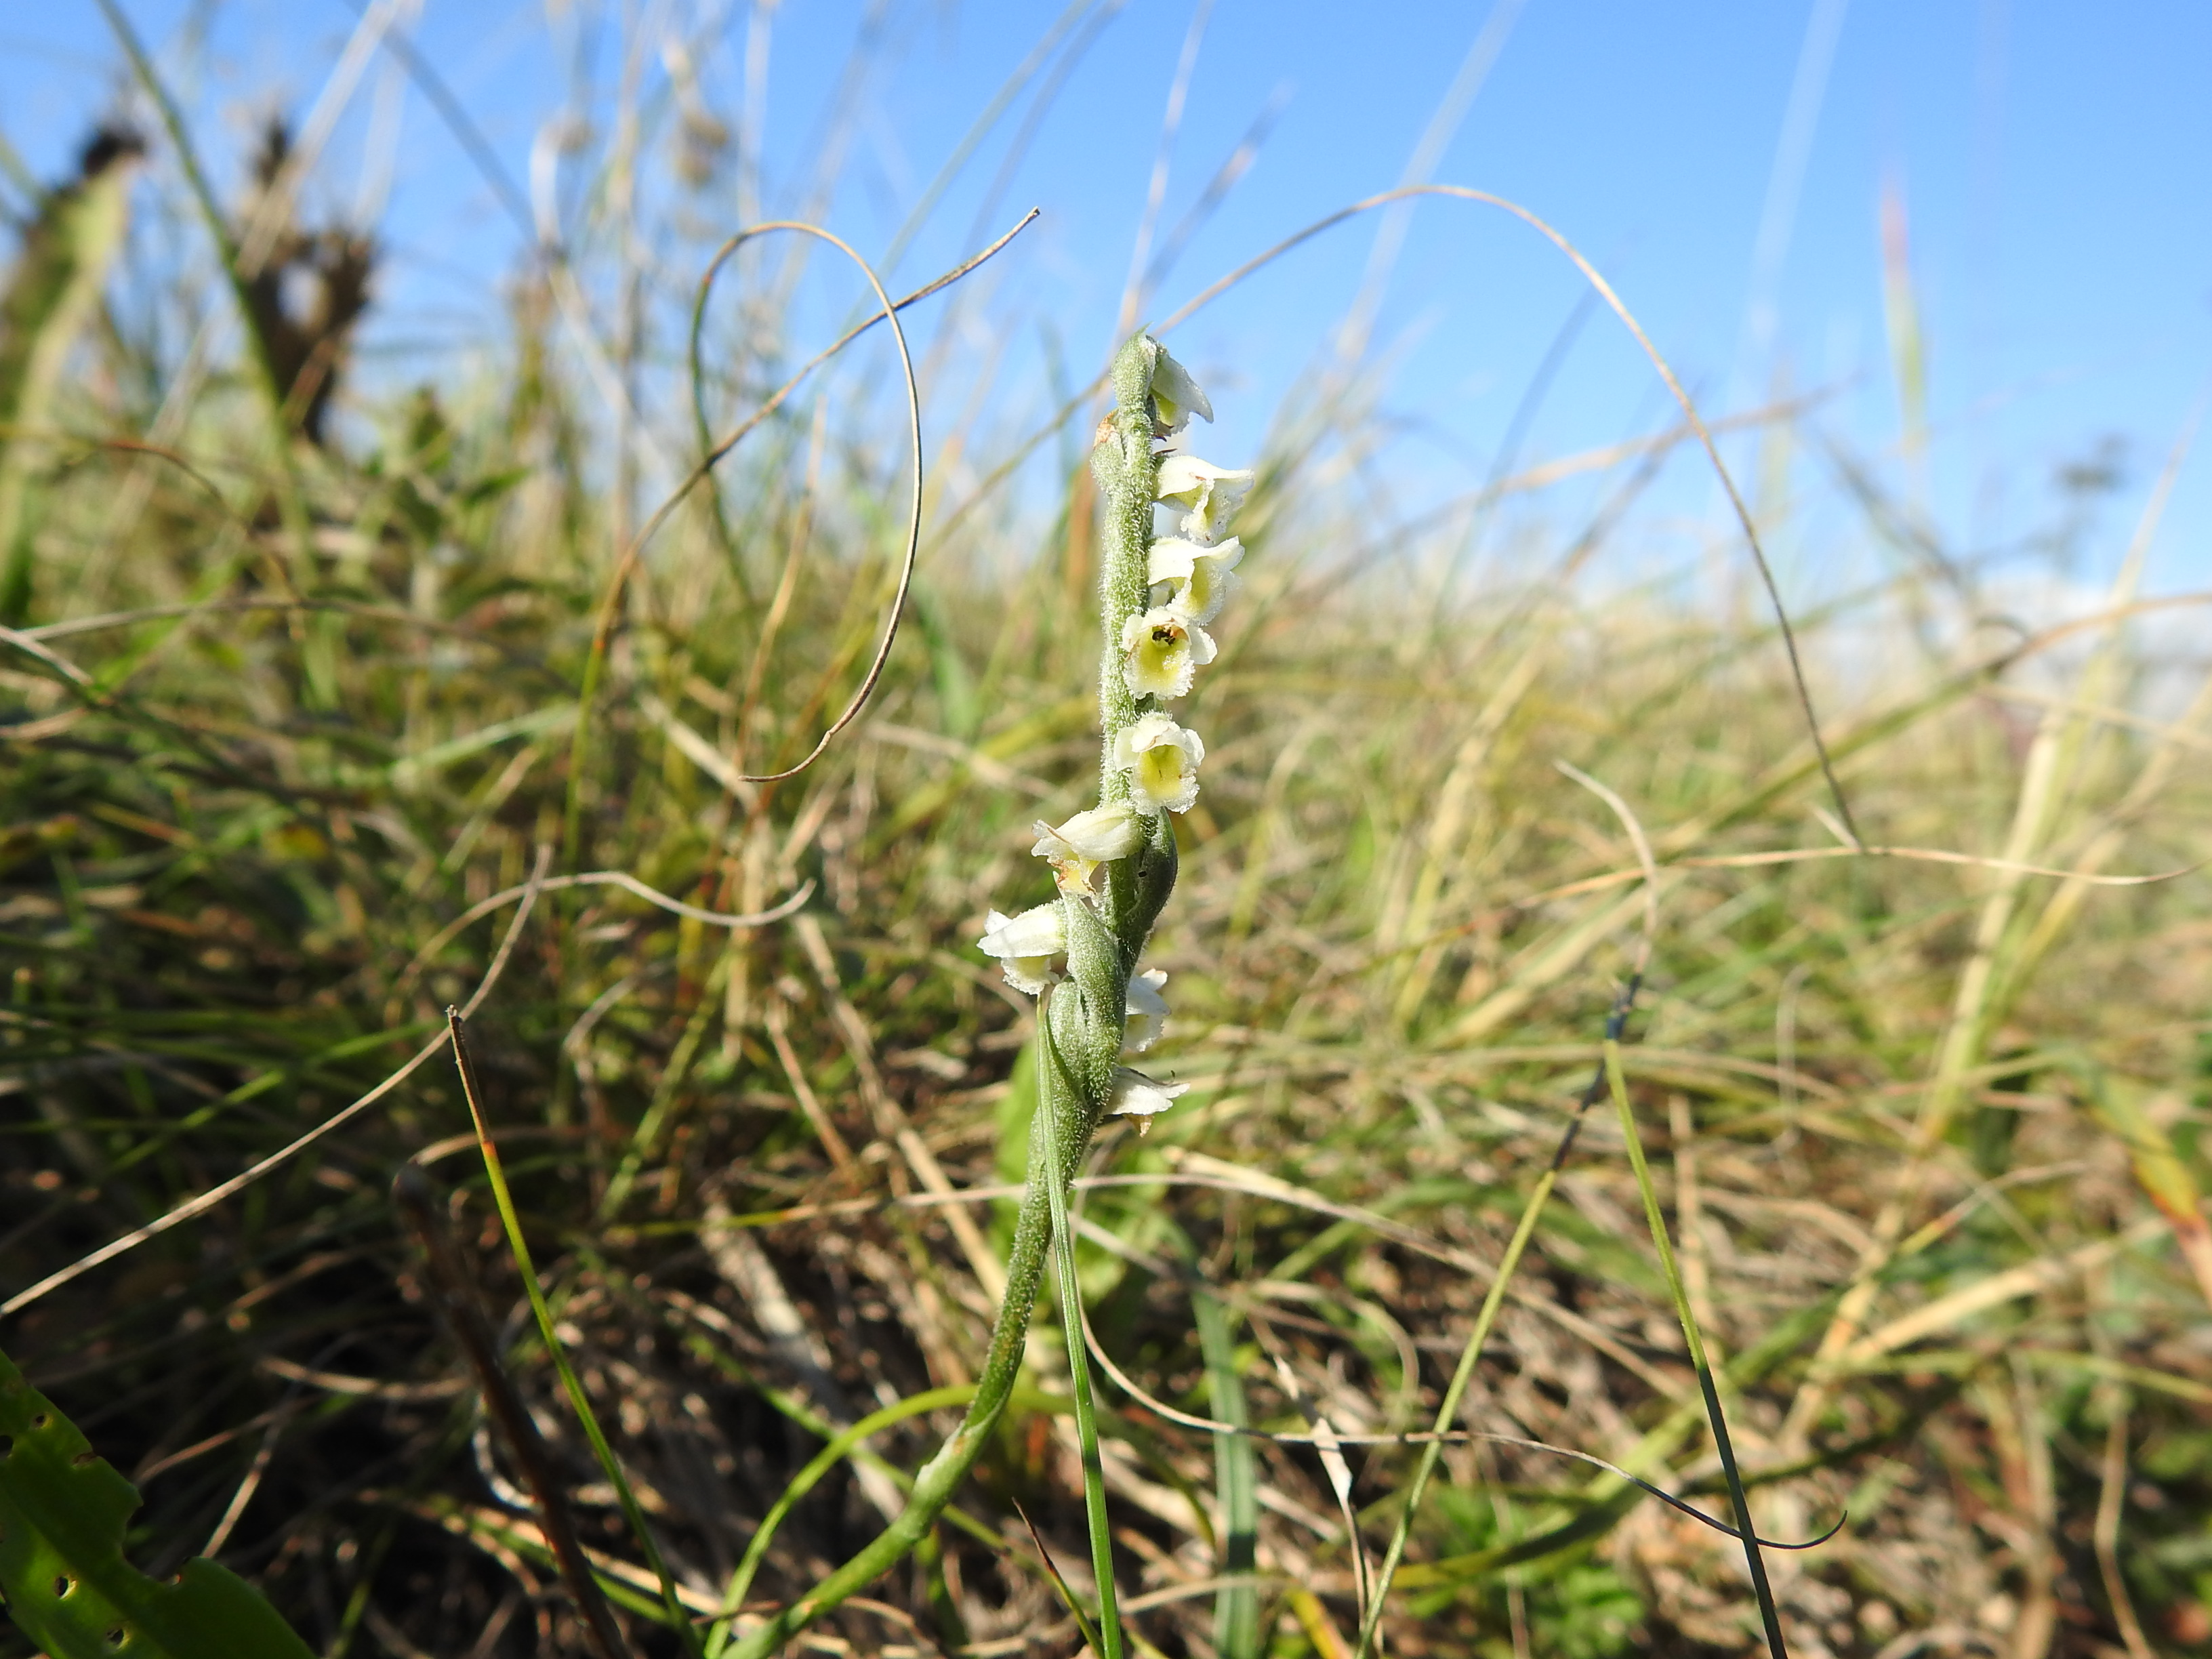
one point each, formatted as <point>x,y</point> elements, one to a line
<point>1078,847</point>
<point>1025,945</point>
<point>1176,396</point>
<point>1164,651</point>
<point>1162,760</point>
<point>1135,1095</point>
<point>1212,494</point>
<point>1201,576</point>
<point>1147,1015</point>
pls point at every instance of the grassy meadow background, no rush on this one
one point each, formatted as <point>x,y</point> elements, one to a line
<point>324,643</point>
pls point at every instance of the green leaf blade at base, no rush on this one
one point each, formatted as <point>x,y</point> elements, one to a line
<point>69,1587</point>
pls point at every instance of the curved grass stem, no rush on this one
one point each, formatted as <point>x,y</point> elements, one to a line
<point>839,1447</point>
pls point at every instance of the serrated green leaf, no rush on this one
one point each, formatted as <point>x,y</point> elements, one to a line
<point>62,1513</point>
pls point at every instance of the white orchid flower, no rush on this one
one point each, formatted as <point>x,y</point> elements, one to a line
<point>1165,650</point>
<point>1135,1095</point>
<point>1211,493</point>
<point>1176,396</point>
<point>1087,840</point>
<point>1200,574</point>
<point>1025,945</point>
<point>1147,1015</point>
<point>1162,760</point>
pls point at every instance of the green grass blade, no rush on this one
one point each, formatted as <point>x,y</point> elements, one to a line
<point>52,293</point>
<point>663,1106</point>
<point>1492,1301</point>
<point>1236,1480</point>
<point>1448,1411</point>
<point>679,1617</point>
<point>1754,1561</point>
<point>69,1589</point>
<point>290,498</point>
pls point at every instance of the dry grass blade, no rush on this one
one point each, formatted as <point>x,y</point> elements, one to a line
<point>1329,1442</point>
<point>621,878</point>
<point>473,1092</point>
<point>2112,1478</point>
<point>1059,1583</point>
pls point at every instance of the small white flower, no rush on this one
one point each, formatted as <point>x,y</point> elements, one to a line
<point>1162,760</point>
<point>1147,1015</point>
<point>1087,840</point>
<point>1025,945</point>
<point>1211,493</point>
<point>1165,650</point>
<point>1202,575</point>
<point>1135,1095</point>
<point>1176,396</point>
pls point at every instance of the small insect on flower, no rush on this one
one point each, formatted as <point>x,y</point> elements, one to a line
<point>1147,1015</point>
<point>1201,578</point>
<point>1165,650</point>
<point>1162,760</point>
<point>1078,847</point>
<point>1211,493</point>
<point>1135,1095</point>
<point>1025,945</point>
<point>1176,397</point>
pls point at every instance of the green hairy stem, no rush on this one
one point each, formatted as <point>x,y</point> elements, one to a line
<point>939,1478</point>
<point>1128,473</point>
<point>1080,1025</point>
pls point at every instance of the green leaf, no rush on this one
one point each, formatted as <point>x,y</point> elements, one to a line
<point>50,293</point>
<point>69,1588</point>
<point>1237,1478</point>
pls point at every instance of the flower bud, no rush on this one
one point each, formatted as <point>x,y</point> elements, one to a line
<point>1025,945</point>
<point>1176,396</point>
<point>1147,1015</point>
<point>1201,576</point>
<point>1135,1095</point>
<point>1087,840</point>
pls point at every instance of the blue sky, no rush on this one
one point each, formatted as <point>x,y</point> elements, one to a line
<point>2050,161</point>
